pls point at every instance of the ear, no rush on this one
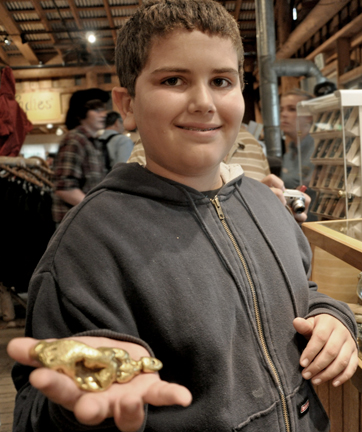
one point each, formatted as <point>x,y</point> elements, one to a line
<point>124,103</point>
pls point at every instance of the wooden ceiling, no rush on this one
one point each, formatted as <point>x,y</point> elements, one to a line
<point>34,32</point>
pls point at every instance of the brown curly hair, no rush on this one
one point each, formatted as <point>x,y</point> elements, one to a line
<point>157,18</point>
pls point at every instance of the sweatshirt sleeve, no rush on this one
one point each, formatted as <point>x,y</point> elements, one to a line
<point>320,303</point>
<point>51,314</point>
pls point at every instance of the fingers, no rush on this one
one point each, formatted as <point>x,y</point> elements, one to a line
<point>279,194</point>
<point>348,372</point>
<point>19,350</point>
<point>273,181</point>
<point>126,402</point>
<point>91,409</point>
<point>304,326</point>
<point>164,393</point>
<point>308,200</point>
<point>331,353</point>
<point>129,414</point>
<point>57,387</point>
<point>301,217</point>
<point>339,369</point>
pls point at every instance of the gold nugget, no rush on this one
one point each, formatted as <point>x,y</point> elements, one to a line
<point>92,369</point>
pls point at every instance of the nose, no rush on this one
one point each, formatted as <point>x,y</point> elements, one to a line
<point>201,99</point>
<point>283,115</point>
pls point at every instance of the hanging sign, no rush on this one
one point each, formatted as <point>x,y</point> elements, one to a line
<point>40,107</point>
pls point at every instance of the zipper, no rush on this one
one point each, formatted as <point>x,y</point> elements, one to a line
<point>221,215</point>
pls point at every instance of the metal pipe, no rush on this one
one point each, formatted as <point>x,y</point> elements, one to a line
<point>270,69</point>
<point>268,87</point>
<point>298,67</point>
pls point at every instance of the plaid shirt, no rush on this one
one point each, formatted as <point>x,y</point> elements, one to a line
<point>79,164</point>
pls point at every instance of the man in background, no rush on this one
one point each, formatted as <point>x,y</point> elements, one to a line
<point>116,146</point>
<point>291,164</point>
<point>79,164</point>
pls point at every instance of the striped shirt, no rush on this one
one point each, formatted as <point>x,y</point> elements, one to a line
<point>246,151</point>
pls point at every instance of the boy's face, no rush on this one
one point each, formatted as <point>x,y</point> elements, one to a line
<point>94,120</point>
<point>188,106</point>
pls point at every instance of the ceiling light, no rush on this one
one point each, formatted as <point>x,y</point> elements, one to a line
<point>59,131</point>
<point>7,41</point>
<point>91,37</point>
<point>49,125</point>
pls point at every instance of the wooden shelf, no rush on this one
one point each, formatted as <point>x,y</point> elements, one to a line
<point>340,245</point>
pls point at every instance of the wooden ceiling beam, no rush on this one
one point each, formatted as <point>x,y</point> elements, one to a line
<point>42,15</point>
<point>82,8</point>
<point>74,10</point>
<point>57,72</point>
<point>110,19</point>
<point>4,57</point>
<point>247,22</point>
<point>237,9</point>
<point>12,29</point>
<point>350,30</point>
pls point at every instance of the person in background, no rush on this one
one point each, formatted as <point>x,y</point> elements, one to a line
<point>79,164</point>
<point>116,146</point>
<point>288,124</point>
<point>49,159</point>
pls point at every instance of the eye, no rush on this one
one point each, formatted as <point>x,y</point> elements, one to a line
<point>172,82</point>
<point>221,82</point>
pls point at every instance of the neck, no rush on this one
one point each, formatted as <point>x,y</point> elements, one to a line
<point>294,137</point>
<point>202,181</point>
<point>91,132</point>
<point>114,128</point>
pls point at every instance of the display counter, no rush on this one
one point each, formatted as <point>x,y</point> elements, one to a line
<point>337,262</point>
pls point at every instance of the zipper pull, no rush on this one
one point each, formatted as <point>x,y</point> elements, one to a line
<point>218,208</point>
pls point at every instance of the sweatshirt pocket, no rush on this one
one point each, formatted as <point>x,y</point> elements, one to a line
<point>307,410</point>
<point>270,419</point>
<point>306,414</point>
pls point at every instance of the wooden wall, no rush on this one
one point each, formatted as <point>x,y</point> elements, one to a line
<point>343,406</point>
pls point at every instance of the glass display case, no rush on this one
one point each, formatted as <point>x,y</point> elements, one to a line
<point>336,176</point>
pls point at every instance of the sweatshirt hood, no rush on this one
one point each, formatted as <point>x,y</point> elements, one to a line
<point>132,178</point>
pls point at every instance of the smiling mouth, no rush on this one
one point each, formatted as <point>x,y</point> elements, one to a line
<point>199,129</point>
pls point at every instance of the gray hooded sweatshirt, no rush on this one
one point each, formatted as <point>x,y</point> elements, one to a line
<point>210,287</point>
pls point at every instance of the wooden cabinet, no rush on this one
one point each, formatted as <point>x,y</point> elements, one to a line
<point>337,262</point>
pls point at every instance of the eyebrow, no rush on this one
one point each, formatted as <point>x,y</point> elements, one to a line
<point>181,70</point>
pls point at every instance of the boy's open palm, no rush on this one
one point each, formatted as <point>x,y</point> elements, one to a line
<point>123,402</point>
<point>331,353</point>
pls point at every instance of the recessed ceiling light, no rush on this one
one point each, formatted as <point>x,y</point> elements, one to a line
<point>91,37</point>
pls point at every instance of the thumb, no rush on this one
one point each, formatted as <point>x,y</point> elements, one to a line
<point>304,326</point>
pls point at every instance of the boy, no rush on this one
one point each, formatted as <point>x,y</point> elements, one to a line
<point>79,164</point>
<point>177,258</point>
